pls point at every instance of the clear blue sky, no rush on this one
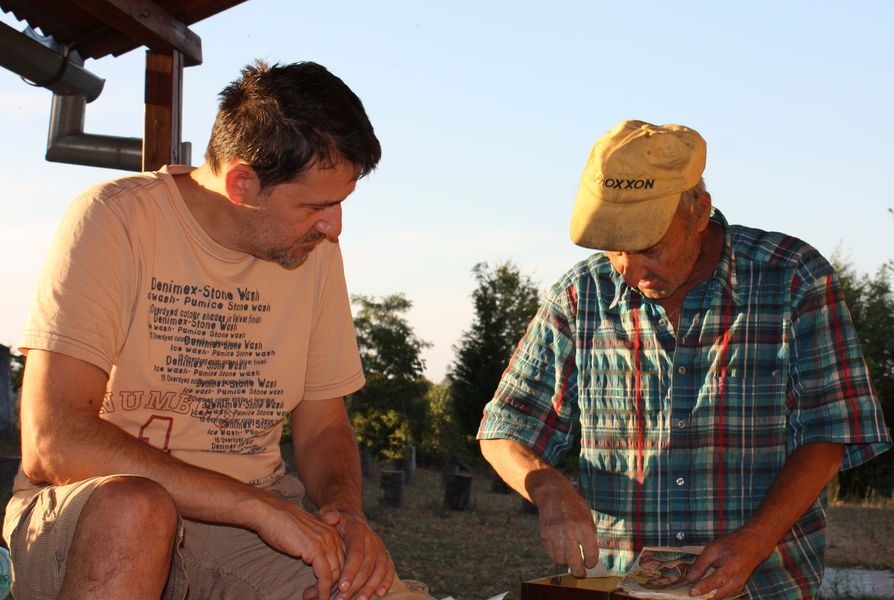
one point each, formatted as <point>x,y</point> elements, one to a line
<point>486,111</point>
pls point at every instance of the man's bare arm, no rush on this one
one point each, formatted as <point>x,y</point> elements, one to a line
<point>65,440</point>
<point>735,556</point>
<point>328,462</point>
<point>566,524</point>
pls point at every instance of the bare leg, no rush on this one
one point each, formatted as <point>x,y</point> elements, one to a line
<point>122,545</point>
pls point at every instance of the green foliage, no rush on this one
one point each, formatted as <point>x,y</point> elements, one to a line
<point>390,413</point>
<point>443,437</point>
<point>871,303</point>
<point>505,301</point>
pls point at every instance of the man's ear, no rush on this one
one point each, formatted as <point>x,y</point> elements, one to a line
<point>702,210</point>
<point>241,182</point>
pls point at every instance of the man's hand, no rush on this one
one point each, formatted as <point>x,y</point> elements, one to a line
<point>368,571</point>
<point>567,528</point>
<point>566,525</point>
<point>734,557</point>
<point>305,536</point>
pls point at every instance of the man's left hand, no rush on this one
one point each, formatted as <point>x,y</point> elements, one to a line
<point>368,571</point>
<point>733,557</point>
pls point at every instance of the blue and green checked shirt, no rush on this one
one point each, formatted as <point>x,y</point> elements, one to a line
<point>683,432</point>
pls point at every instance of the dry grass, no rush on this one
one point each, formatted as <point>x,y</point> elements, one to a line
<point>471,554</point>
<point>493,547</point>
<point>860,536</point>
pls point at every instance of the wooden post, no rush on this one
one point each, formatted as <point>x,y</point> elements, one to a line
<point>162,126</point>
<point>366,464</point>
<point>392,484</point>
<point>405,465</point>
<point>457,491</point>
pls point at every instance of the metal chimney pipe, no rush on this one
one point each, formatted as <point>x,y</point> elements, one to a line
<point>73,87</point>
<point>67,142</point>
<point>45,67</point>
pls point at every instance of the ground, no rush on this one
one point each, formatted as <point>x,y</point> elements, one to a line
<point>860,536</point>
<point>493,546</point>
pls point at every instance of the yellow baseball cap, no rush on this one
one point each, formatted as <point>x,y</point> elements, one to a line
<point>632,182</point>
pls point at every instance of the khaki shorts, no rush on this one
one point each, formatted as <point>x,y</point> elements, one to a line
<point>208,562</point>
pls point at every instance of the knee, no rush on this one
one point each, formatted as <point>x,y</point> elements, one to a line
<point>133,503</point>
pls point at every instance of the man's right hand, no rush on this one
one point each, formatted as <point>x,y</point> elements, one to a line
<point>566,526</point>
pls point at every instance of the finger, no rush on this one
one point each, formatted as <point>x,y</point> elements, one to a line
<point>380,579</point>
<point>574,558</point>
<point>324,583</point>
<point>334,518</point>
<point>718,582</point>
<point>354,571</point>
<point>364,554</point>
<point>310,593</point>
<point>330,517</point>
<point>327,568</point>
<point>701,564</point>
<point>554,549</point>
<point>590,552</point>
<point>376,573</point>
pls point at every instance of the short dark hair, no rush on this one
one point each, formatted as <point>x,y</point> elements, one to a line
<point>281,119</point>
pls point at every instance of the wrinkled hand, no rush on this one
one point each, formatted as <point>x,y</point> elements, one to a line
<point>368,571</point>
<point>567,529</point>
<point>307,537</point>
<point>734,557</point>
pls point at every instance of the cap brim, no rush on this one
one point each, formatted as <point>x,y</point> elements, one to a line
<point>627,227</point>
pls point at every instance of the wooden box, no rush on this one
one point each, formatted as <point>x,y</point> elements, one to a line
<point>568,587</point>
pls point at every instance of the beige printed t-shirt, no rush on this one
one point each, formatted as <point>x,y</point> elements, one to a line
<point>207,348</point>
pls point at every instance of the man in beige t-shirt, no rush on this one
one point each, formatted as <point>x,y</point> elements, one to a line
<point>181,316</point>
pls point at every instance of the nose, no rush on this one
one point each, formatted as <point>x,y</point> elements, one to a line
<point>631,265</point>
<point>329,223</point>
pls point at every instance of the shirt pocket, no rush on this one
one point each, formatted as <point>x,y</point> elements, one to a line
<point>744,413</point>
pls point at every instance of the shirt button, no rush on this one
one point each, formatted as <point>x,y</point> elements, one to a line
<point>681,423</point>
<point>680,481</point>
<point>681,370</point>
<point>681,536</point>
<point>662,322</point>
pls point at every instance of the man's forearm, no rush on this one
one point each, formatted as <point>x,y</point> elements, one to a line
<point>326,455</point>
<point>733,557</point>
<point>521,468</point>
<point>803,476</point>
<point>566,524</point>
<point>64,440</point>
<point>330,470</point>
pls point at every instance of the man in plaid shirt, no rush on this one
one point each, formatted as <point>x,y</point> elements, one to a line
<point>713,374</point>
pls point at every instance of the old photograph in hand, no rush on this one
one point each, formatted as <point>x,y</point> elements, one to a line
<point>660,573</point>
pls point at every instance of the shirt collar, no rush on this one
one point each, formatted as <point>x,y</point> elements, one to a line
<point>725,272</point>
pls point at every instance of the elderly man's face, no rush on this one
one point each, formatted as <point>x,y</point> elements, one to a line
<point>661,270</point>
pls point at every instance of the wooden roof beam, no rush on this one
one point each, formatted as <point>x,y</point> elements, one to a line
<point>148,24</point>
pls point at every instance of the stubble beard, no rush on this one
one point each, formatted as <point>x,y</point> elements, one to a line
<point>288,259</point>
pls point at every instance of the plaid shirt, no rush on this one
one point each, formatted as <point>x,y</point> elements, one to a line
<point>683,432</point>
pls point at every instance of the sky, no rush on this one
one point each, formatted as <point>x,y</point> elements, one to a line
<point>486,112</point>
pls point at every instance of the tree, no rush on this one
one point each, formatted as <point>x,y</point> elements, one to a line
<point>390,413</point>
<point>442,437</point>
<point>505,301</point>
<point>871,303</point>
